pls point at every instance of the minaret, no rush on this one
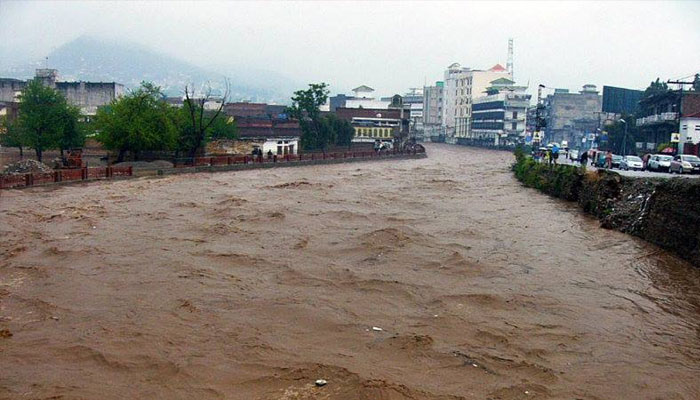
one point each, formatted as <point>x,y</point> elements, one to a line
<point>509,65</point>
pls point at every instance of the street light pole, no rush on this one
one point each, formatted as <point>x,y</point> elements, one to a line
<point>624,138</point>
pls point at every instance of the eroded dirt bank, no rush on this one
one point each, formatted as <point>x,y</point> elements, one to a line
<point>251,285</point>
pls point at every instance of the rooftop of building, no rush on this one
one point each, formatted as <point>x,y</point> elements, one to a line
<point>349,113</point>
<point>363,88</point>
<point>497,68</point>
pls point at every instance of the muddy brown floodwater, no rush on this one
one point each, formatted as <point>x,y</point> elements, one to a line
<point>253,284</point>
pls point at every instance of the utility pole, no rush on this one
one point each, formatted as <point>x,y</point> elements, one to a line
<point>680,103</point>
<point>680,98</point>
<point>539,120</point>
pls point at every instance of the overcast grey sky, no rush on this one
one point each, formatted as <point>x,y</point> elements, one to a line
<point>390,46</point>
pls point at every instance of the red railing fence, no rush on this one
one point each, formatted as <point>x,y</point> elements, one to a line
<point>68,175</point>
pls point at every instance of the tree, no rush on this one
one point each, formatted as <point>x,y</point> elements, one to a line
<point>72,134</point>
<point>343,131</point>
<point>45,118</point>
<point>138,121</point>
<point>11,135</point>
<point>617,141</point>
<point>223,128</point>
<point>306,109</point>
<point>200,123</point>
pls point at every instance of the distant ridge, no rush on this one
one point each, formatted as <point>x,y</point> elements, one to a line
<point>91,59</point>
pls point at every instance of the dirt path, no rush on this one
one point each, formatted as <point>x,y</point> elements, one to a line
<point>252,285</point>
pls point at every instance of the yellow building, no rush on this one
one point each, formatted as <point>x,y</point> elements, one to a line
<point>373,132</point>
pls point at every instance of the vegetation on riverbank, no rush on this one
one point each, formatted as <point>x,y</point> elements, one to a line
<point>563,181</point>
<point>665,212</point>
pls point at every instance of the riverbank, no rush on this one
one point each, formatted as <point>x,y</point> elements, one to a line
<point>665,212</point>
<point>201,164</point>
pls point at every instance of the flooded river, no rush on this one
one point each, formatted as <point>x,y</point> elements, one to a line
<point>439,278</point>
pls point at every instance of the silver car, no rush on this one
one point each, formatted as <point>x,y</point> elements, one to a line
<point>631,163</point>
<point>685,163</point>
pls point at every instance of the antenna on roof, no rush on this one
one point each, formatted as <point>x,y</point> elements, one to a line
<point>509,65</point>
<point>47,62</point>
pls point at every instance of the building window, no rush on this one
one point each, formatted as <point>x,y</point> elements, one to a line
<point>515,115</point>
<point>514,125</point>
<point>279,150</point>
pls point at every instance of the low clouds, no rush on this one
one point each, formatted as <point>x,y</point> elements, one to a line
<point>389,46</point>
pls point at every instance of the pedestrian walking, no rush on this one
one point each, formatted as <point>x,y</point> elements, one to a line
<point>555,153</point>
<point>608,160</point>
<point>584,159</point>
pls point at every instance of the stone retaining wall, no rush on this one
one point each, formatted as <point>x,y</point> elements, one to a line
<point>665,212</point>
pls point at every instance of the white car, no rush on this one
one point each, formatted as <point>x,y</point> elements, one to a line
<point>631,163</point>
<point>574,155</point>
<point>659,162</point>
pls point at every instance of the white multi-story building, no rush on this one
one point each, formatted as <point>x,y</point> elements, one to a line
<point>452,106</point>
<point>363,97</point>
<point>500,116</point>
<point>432,111</point>
<point>689,132</point>
<point>462,84</point>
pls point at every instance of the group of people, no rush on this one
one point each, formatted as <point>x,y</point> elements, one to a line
<point>257,152</point>
<point>549,155</point>
<point>595,155</point>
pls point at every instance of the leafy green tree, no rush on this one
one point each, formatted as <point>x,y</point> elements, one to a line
<point>138,121</point>
<point>616,135</point>
<point>343,131</point>
<point>72,134</point>
<point>11,135</point>
<point>45,118</point>
<point>306,109</point>
<point>223,128</point>
<point>663,146</point>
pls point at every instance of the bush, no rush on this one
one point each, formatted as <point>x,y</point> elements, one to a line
<point>562,181</point>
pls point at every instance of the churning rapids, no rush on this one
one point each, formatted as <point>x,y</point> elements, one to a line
<point>253,284</point>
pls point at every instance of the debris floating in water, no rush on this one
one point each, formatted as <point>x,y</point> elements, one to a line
<point>377,329</point>
<point>321,382</point>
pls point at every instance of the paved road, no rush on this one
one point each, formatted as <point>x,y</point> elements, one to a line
<point>639,174</point>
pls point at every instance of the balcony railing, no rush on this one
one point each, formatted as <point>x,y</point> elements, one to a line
<point>654,119</point>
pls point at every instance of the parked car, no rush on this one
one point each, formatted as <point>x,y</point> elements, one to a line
<point>631,163</point>
<point>659,162</point>
<point>685,163</point>
<point>574,155</point>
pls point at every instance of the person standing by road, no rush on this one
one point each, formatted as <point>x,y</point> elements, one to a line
<point>584,159</point>
<point>608,160</point>
<point>555,153</point>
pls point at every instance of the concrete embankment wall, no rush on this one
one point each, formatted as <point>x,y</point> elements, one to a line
<point>665,212</point>
<point>240,167</point>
